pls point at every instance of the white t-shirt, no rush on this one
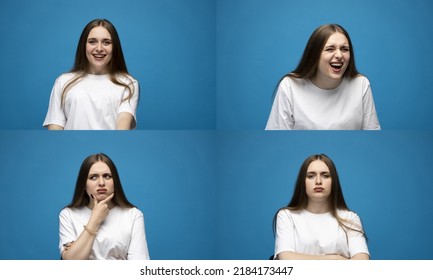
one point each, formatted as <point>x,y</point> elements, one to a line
<point>92,104</point>
<point>318,234</point>
<point>121,236</point>
<point>301,105</point>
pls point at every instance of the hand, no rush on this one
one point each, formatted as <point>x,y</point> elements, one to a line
<point>68,245</point>
<point>100,209</point>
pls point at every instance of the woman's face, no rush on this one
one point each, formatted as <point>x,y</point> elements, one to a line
<point>333,61</point>
<point>99,181</point>
<point>99,50</point>
<point>318,181</point>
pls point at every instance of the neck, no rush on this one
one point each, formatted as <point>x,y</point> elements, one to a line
<point>326,83</point>
<point>318,207</point>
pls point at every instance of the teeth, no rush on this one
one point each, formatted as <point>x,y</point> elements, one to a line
<point>337,64</point>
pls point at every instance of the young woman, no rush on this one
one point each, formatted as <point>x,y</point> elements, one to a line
<point>317,224</point>
<point>98,93</point>
<point>325,91</point>
<point>100,222</point>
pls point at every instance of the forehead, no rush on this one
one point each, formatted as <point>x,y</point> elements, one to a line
<point>99,32</point>
<point>99,167</point>
<point>337,39</point>
<point>318,166</point>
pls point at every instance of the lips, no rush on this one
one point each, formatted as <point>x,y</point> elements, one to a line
<point>319,189</point>
<point>99,56</point>
<point>336,66</point>
<point>101,191</point>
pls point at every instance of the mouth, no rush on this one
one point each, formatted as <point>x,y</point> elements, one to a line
<point>99,56</point>
<point>336,66</point>
<point>101,191</point>
<point>318,189</point>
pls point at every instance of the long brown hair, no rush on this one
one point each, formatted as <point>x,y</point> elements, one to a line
<point>81,199</point>
<point>116,67</point>
<point>307,67</point>
<point>337,202</point>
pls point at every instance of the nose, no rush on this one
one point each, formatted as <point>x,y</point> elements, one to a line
<point>101,181</point>
<point>99,47</point>
<point>318,180</point>
<point>338,54</point>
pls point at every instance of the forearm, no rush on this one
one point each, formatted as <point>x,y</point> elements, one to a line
<point>360,256</point>
<point>81,248</point>
<point>298,256</point>
<point>125,121</point>
<point>55,127</point>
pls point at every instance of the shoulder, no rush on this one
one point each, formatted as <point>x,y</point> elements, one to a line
<point>347,215</point>
<point>127,78</point>
<point>287,213</point>
<point>359,81</point>
<point>65,77</point>
<point>292,81</point>
<point>133,212</point>
<point>69,213</point>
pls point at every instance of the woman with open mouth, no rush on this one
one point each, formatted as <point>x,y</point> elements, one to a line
<point>98,93</point>
<point>325,91</point>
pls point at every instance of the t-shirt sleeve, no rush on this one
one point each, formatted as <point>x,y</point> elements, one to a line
<point>55,114</point>
<point>138,246</point>
<point>356,240</point>
<point>67,232</point>
<point>369,115</point>
<point>130,106</point>
<point>284,233</point>
<point>281,116</point>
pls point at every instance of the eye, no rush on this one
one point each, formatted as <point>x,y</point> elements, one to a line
<point>107,176</point>
<point>310,176</point>
<point>345,49</point>
<point>326,175</point>
<point>93,177</point>
<point>91,42</point>
<point>107,43</point>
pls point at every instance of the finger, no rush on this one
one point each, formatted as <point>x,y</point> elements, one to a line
<point>95,201</point>
<point>107,199</point>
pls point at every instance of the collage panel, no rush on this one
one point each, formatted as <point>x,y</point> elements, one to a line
<point>168,175</point>
<point>260,42</point>
<point>168,49</point>
<point>383,176</point>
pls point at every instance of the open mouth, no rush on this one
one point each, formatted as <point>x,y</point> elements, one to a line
<point>99,56</point>
<point>336,66</point>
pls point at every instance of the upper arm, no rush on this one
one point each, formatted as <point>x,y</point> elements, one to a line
<point>281,116</point>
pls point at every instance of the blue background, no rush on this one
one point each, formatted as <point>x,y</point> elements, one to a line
<point>212,195</point>
<point>259,41</point>
<point>169,47</point>
<point>206,64</point>
<point>385,176</point>
<point>169,175</point>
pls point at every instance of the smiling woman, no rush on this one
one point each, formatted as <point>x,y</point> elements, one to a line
<point>325,91</point>
<point>98,93</point>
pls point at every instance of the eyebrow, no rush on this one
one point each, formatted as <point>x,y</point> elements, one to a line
<point>333,46</point>
<point>97,173</point>
<point>103,39</point>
